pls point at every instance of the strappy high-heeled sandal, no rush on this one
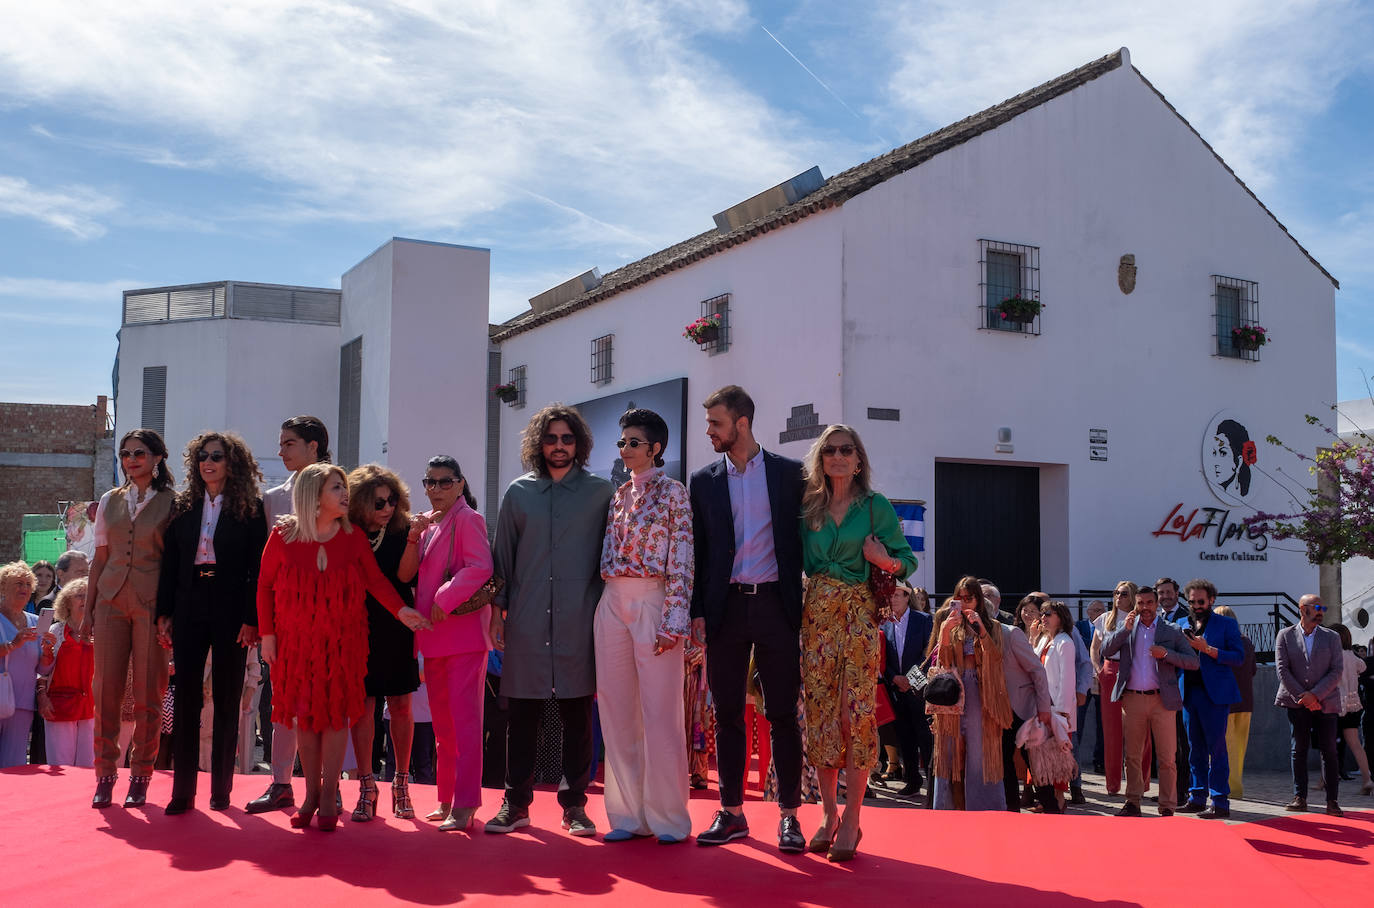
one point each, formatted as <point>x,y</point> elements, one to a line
<point>367,799</point>
<point>400,797</point>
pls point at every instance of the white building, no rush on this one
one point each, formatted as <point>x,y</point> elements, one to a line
<point>1355,418</point>
<point>395,363</point>
<point>1080,448</point>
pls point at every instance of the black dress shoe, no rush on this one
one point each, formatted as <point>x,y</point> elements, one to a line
<point>1216,813</point>
<point>138,791</point>
<point>277,796</point>
<point>790,839</point>
<point>1192,807</point>
<point>725,827</point>
<point>1076,796</point>
<point>104,793</point>
<point>1165,812</point>
<point>1129,810</point>
<point>1334,810</point>
<point>911,788</point>
<point>177,806</point>
<point>219,802</point>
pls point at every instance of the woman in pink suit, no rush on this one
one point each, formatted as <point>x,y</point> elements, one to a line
<point>448,554</point>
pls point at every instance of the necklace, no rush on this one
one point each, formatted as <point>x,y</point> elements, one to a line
<point>377,540</point>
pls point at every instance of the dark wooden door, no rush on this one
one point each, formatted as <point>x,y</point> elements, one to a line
<point>987,523</point>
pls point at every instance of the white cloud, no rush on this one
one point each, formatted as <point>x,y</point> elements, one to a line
<point>35,288</point>
<point>1247,76</point>
<point>74,209</point>
<point>48,301</point>
<point>427,113</point>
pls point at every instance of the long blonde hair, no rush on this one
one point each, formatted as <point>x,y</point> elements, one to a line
<point>305,503</point>
<point>1110,623</point>
<point>816,498</point>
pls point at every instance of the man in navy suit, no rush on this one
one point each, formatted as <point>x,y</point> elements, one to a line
<point>907,635</point>
<point>747,596</point>
<point>1208,694</point>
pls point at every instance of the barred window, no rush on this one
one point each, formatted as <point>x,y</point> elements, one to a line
<point>1235,305</point>
<point>1008,272</point>
<point>517,378</point>
<point>718,305</point>
<point>601,359</point>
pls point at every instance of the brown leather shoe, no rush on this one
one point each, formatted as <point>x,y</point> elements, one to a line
<point>1295,805</point>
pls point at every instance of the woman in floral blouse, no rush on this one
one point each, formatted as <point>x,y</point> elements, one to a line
<point>641,623</point>
<point>847,529</point>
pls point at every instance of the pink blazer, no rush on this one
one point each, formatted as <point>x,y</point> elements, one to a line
<point>464,532</point>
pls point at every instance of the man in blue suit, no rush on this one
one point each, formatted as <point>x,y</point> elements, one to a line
<point>907,635</point>
<point>1208,694</point>
<point>747,597</point>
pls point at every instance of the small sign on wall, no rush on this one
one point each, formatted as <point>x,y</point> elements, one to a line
<point>1097,444</point>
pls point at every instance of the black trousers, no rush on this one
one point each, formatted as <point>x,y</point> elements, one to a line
<point>914,738</point>
<point>523,719</point>
<point>756,623</point>
<point>1044,794</point>
<point>211,626</point>
<point>1304,723</point>
<point>494,722</point>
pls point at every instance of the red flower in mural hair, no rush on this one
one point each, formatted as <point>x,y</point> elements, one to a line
<point>1249,453</point>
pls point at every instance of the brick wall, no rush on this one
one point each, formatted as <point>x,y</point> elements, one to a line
<point>48,454</point>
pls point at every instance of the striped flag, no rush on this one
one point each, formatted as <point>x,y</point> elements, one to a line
<point>913,518</point>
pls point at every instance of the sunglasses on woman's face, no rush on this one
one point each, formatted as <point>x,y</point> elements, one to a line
<point>136,454</point>
<point>445,483</point>
<point>388,502</point>
<point>212,456</point>
<point>842,450</point>
<point>630,443</point>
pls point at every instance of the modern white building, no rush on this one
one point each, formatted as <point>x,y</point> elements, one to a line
<point>1118,434</point>
<point>395,363</point>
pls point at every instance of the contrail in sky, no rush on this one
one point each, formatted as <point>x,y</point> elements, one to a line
<point>818,79</point>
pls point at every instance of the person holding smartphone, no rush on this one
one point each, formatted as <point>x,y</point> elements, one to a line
<point>23,660</point>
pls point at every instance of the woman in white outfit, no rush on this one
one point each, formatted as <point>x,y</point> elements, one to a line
<point>641,622</point>
<point>1057,653</point>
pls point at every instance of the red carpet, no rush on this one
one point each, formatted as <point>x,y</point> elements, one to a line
<point>63,853</point>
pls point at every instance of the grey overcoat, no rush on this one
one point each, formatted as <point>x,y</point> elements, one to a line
<point>548,552</point>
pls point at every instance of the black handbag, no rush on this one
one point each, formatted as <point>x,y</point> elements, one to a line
<point>944,690</point>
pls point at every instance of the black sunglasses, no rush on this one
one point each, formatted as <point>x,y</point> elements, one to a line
<point>566,438</point>
<point>390,501</point>
<point>1198,601</point>
<point>212,456</point>
<point>445,483</point>
<point>630,443</point>
<point>842,450</point>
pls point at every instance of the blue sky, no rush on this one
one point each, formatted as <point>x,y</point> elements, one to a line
<point>175,141</point>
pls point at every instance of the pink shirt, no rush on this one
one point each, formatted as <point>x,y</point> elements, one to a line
<point>464,532</point>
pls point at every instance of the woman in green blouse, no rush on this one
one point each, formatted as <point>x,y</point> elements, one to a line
<point>846,527</point>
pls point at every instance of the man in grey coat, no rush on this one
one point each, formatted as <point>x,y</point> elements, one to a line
<point>1151,651</point>
<point>548,552</point>
<point>1309,661</point>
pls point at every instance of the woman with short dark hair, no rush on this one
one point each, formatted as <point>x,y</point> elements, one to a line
<point>641,623</point>
<point>207,605</point>
<point>130,523</point>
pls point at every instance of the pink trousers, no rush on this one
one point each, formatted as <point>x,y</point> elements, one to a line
<point>455,686</point>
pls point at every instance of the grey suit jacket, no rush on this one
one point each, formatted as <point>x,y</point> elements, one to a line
<point>1298,674</point>
<point>1027,686</point>
<point>1178,655</point>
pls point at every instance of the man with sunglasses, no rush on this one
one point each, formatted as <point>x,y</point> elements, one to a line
<point>548,552</point>
<point>1208,693</point>
<point>747,597</point>
<point>1309,662</point>
<point>304,440</point>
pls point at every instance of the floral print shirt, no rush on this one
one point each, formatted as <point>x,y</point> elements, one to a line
<point>649,534</point>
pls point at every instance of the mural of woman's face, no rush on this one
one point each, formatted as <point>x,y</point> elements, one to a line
<point>1222,462</point>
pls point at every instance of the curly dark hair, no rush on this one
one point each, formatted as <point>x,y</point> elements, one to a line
<point>241,476</point>
<point>162,477</point>
<point>531,440</point>
<point>362,485</point>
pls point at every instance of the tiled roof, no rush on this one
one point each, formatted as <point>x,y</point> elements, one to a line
<point>844,186</point>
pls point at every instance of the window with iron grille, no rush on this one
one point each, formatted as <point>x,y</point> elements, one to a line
<point>718,305</point>
<point>1009,287</point>
<point>1235,305</point>
<point>155,399</point>
<point>517,378</point>
<point>601,359</point>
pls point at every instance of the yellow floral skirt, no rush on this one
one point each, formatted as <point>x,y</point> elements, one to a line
<point>840,659</point>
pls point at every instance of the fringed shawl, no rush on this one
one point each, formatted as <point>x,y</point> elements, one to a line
<point>948,762</point>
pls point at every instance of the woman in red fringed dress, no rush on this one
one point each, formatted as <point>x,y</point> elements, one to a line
<point>312,589</point>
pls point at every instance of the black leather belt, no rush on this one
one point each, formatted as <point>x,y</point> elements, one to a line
<point>753,589</point>
<point>1131,690</point>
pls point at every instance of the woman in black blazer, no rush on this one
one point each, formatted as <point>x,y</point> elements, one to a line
<point>206,604</point>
